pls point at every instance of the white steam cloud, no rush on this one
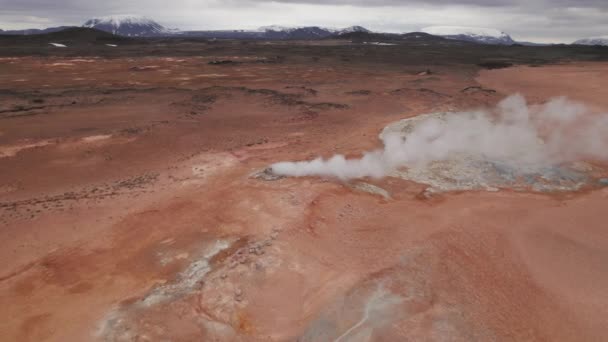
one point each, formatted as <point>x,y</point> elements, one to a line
<point>514,133</point>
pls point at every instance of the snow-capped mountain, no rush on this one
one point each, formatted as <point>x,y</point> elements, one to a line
<point>277,28</point>
<point>603,40</point>
<point>309,32</point>
<point>306,32</point>
<point>352,29</point>
<point>472,34</point>
<point>128,25</point>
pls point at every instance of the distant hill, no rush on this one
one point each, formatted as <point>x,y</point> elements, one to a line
<point>274,33</point>
<point>602,41</point>
<point>303,33</point>
<point>73,36</point>
<point>35,31</point>
<point>531,44</point>
<point>353,29</point>
<point>480,35</point>
<point>416,38</point>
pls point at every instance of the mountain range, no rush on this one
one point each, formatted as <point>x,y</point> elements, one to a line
<point>471,34</point>
<point>593,41</point>
<point>139,26</point>
<point>35,31</point>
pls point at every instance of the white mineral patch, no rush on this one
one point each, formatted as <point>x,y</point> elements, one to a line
<point>188,279</point>
<point>95,138</point>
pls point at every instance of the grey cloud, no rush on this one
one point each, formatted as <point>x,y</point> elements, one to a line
<point>548,4</point>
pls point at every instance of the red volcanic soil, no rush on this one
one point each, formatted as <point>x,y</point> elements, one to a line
<point>129,212</point>
<point>579,81</point>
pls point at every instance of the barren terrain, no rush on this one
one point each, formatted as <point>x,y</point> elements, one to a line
<point>133,206</point>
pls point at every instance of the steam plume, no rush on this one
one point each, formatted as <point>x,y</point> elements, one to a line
<point>513,133</point>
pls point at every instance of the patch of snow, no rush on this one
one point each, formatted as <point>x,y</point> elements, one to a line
<point>58,45</point>
<point>111,45</point>
<point>379,43</point>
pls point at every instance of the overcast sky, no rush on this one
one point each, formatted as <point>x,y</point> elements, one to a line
<point>531,20</point>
